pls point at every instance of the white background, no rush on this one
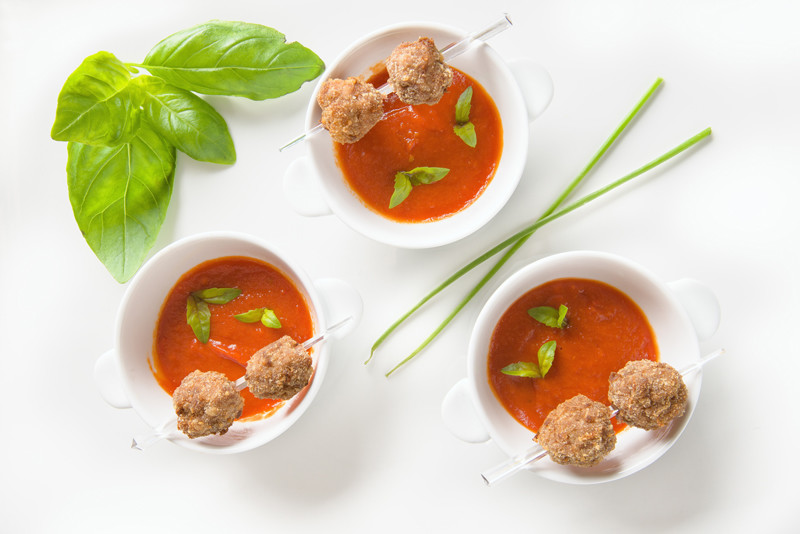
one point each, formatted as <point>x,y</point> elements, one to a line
<point>371,454</point>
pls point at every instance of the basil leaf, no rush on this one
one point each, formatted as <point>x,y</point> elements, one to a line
<point>426,175</point>
<point>464,105</point>
<point>402,188</point>
<point>526,369</point>
<point>233,58</point>
<point>562,314</point>
<point>251,316</point>
<point>198,316</point>
<point>186,120</point>
<point>119,197</point>
<point>217,295</point>
<point>96,105</point>
<point>547,353</point>
<point>546,315</point>
<point>269,319</point>
<point>467,134</point>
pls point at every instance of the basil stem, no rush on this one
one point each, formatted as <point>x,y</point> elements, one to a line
<point>485,256</point>
<point>522,236</point>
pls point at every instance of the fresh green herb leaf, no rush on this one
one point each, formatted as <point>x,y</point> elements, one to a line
<point>251,316</point>
<point>218,295</point>
<point>269,319</point>
<point>119,197</point>
<point>402,188</point>
<point>198,316</point>
<point>405,180</point>
<point>96,105</point>
<point>549,316</point>
<point>525,369</point>
<point>547,352</point>
<point>233,58</point>
<point>464,128</point>
<point>467,134</point>
<point>186,121</point>
<point>464,105</point>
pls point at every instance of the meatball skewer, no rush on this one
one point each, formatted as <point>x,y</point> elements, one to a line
<point>537,452</point>
<point>448,53</point>
<point>222,397</point>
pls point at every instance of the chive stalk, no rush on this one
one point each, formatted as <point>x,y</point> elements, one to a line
<point>482,258</point>
<point>520,237</point>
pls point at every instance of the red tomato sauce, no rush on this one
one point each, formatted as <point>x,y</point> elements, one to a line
<point>605,329</point>
<point>422,136</point>
<point>177,352</point>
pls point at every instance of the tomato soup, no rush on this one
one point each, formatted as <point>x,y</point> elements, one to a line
<point>422,136</point>
<point>604,330</point>
<point>177,352</point>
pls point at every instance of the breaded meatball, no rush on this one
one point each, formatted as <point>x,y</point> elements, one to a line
<point>647,394</point>
<point>279,371</point>
<point>350,108</point>
<point>418,73</point>
<point>578,432</point>
<point>206,403</point>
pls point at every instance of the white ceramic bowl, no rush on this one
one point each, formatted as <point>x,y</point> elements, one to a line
<point>314,184</point>
<point>123,374</point>
<point>679,313</point>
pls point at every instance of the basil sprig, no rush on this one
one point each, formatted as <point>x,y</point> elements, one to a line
<point>546,355</point>
<point>123,127</point>
<point>198,314</point>
<point>404,181</point>
<point>266,316</point>
<point>549,316</point>
<point>464,128</point>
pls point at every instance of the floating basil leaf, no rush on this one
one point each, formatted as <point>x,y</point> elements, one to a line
<point>96,105</point>
<point>119,197</point>
<point>549,316</point>
<point>464,128</point>
<point>198,316</point>
<point>186,121</point>
<point>547,352</point>
<point>405,180</point>
<point>218,295</point>
<point>269,319</point>
<point>525,369</point>
<point>233,58</point>
<point>251,316</point>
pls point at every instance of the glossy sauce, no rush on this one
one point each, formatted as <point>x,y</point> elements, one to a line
<point>422,136</point>
<point>177,352</point>
<point>605,330</point>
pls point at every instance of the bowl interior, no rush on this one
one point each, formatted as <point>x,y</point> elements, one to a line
<point>485,66</point>
<point>138,316</point>
<point>675,337</point>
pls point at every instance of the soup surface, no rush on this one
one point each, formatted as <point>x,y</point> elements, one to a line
<point>422,136</point>
<point>604,330</point>
<point>177,352</point>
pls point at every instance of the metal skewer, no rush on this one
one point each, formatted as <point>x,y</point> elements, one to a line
<point>169,427</point>
<point>448,53</point>
<point>517,463</point>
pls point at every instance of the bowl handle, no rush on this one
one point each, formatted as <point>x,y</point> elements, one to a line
<point>108,379</point>
<point>302,189</point>
<point>340,300</point>
<point>535,83</point>
<point>459,414</point>
<point>700,303</point>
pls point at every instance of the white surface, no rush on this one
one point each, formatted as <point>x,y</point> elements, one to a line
<point>371,454</point>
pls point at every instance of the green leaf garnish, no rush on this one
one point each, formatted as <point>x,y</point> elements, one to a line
<point>547,353</point>
<point>265,315</point>
<point>464,128</point>
<point>198,316</point>
<point>549,316</point>
<point>217,295</point>
<point>404,181</point>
